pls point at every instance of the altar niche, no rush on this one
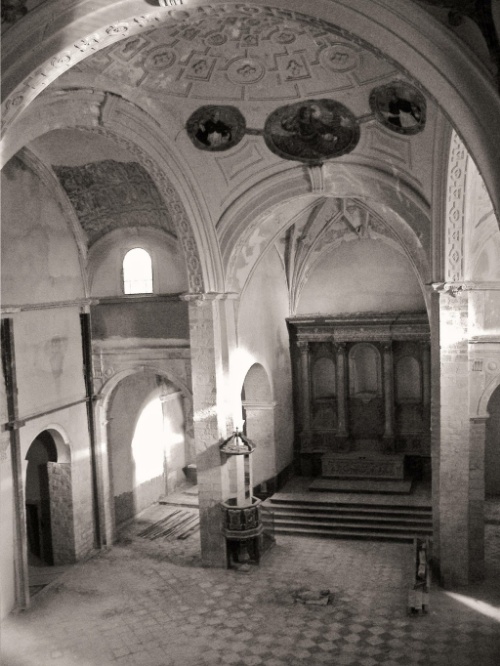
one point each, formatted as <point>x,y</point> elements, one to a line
<point>361,387</point>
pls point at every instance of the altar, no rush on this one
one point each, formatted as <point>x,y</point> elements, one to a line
<point>361,395</point>
<point>362,466</point>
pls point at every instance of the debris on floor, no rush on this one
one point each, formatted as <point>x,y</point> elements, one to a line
<point>313,597</point>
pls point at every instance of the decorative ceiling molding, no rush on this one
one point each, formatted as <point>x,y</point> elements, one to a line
<point>242,52</point>
<point>37,49</point>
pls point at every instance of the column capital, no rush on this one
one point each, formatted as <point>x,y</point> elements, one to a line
<point>303,345</point>
<point>450,288</point>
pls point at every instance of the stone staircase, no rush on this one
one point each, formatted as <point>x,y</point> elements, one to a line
<point>373,520</point>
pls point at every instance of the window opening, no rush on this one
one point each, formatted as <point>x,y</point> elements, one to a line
<point>137,272</point>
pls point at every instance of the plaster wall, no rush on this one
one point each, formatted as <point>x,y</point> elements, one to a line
<point>49,359</point>
<point>263,338</point>
<point>39,255</point>
<point>361,276</point>
<point>7,557</point>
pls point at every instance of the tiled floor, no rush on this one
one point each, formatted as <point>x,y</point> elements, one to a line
<point>149,603</point>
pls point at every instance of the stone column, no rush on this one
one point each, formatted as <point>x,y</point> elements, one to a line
<point>388,372</point>
<point>213,485</point>
<point>305,392</point>
<point>341,358</point>
<point>460,548</point>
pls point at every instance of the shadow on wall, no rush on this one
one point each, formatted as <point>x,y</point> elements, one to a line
<point>146,435</point>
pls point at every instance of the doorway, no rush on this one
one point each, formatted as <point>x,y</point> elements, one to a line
<point>43,450</point>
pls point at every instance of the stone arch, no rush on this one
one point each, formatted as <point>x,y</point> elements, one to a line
<point>422,48</point>
<point>482,406</point>
<point>102,418</point>
<point>259,415</point>
<point>61,441</point>
<point>139,134</point>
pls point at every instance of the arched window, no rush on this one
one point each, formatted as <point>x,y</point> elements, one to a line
<point>137,272</point>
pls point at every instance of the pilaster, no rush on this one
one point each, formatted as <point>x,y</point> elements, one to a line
<point>341,354</point>
<point>388,372</point>
<point>213,486</point>
<point>461,472</point>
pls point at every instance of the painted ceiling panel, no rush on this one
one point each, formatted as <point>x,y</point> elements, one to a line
<point>108,195</point>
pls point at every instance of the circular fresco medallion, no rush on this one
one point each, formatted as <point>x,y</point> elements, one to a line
<point>216,39</point>
<point>245,70</point>
<point>216,128</point>
<point>400,107</point>
<point>312,131</point>
<point>159,59</point>
<point>339,58</point>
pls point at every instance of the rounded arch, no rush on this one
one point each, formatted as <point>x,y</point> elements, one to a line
<point>43,440</point>
<point>405,34</point>
<point>405,211</point>
<point>110,385</point>
<point>256,385</point>
<point>138,133</point>
<point>258,411</point>
<point>492,446</point>
<point>137,267</point>
<point>48,498</point>
<point>482,406</point>
<point>144,419</point>
<point>61,442</point>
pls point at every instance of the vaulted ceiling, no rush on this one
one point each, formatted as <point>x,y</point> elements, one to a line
<point>257,60</point>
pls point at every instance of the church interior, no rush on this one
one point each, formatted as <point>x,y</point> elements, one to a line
<point>250,255</point>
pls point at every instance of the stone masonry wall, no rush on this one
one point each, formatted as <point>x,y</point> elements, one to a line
<point>61,512</point>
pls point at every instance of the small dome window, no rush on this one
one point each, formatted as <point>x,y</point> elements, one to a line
<point>137,272</point>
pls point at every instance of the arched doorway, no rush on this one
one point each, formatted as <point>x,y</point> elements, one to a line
<point>49,501</point>
<point>492,448</point>
<point>42,451</point>
<point>258,414</point>
<point>146,441</point>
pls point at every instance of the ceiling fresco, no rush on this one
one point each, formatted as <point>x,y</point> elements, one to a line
<point>109,195</point>
<point>242,53</point>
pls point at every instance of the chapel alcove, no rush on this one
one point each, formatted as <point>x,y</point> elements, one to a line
<point>147,442</point>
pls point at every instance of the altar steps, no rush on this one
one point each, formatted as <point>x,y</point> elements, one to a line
<point>375,522</point>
